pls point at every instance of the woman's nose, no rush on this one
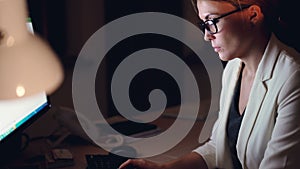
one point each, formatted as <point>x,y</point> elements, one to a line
<point>208,36</point>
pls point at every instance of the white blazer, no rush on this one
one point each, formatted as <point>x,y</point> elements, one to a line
<point>269,136</point>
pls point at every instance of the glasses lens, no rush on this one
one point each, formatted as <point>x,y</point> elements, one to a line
<point>211,27</point>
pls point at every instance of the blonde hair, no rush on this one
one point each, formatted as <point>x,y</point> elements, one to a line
<point>237,3</point>
<point>270,8</point>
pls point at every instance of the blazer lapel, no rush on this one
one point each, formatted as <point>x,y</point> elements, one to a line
<point>223,152</point>
<point>256,98</point>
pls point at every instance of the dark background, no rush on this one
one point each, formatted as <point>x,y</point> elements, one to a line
<point>67,24</point>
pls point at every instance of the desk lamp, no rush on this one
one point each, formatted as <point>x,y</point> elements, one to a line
<point>27,64</point>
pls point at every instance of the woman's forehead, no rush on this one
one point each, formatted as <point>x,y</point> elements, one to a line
<point>212,7</point>
<point>213,4</point>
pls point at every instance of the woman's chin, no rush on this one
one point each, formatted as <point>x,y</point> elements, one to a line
<point>223,58</point>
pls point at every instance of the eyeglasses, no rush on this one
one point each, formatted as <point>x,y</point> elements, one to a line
<point>211,24</point>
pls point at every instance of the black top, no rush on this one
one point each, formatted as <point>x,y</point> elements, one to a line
<point>234,124</point>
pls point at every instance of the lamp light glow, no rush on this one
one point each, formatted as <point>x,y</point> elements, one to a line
<point>20,91</point>
<point>24,58</point>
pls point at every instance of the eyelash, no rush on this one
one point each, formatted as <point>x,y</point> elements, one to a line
<point>210,18</point>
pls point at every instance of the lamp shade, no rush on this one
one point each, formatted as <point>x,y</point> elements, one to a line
<point>27,64</point>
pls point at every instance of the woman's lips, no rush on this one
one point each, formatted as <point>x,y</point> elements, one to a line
<point>217,49</point>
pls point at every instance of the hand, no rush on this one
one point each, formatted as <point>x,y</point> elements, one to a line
<point>139,164</point>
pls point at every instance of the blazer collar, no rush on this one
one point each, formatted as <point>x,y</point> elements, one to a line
<point>266,65</point>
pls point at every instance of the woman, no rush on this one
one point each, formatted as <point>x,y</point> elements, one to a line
<point>259,119</point>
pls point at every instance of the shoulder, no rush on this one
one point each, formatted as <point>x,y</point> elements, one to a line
<point>288,58</point>
<point>232,68</point>
<point>278,61</point>
<point>286,73</point>
<point>288,62</point>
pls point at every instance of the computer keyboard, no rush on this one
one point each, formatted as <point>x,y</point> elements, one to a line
<point>105,161</point>
<point>129,127</point>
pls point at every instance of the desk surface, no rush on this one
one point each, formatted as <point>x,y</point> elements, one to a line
<point>79,150</point>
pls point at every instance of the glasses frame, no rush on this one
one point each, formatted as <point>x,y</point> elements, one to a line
<point>204,25</point>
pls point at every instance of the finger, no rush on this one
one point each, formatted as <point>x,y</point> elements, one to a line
<point>126,163</point>
<point>139,163</point>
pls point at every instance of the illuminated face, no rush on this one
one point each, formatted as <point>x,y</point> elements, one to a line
<point>230,40</point>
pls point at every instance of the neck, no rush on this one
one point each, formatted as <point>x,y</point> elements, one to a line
<point>251,65</point>
<point>255,54</point>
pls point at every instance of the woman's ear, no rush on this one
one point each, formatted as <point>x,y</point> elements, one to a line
<point>255,14</point>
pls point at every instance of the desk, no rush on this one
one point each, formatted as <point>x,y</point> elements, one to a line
<point>79,150</point>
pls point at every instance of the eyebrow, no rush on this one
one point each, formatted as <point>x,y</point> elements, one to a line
<point>208,15</point>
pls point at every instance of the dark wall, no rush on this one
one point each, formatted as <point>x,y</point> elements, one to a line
<point>117,8</point>
<point>288,29</point>
<point>148,80</point>
<point>49,21</point>
<point>67,24</point>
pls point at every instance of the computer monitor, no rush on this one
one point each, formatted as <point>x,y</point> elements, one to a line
<point>15,116</point>
<point>16,113</point>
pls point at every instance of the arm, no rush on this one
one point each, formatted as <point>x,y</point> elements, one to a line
<point>284,147</point>
<point>195,160</point>
<point>190,161</point>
